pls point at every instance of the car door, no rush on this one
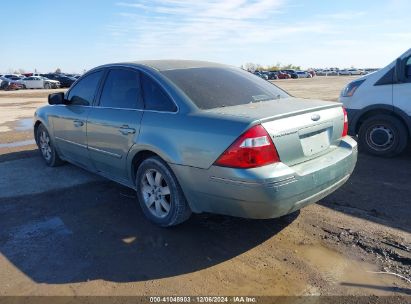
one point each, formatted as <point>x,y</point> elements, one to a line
<point>37,83</point>
<point>70,120</point>
<point>28,82</point>
<point>113,124</point>
<point>402,91</point>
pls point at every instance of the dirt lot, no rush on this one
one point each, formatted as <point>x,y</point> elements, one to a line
<point>325,88</point>
<point>64,231</point>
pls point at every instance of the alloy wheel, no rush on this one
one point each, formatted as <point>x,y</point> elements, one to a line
<point>156,193</point>
<point>44,141</point>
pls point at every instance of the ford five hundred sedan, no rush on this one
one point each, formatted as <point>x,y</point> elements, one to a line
<point>193,136</point>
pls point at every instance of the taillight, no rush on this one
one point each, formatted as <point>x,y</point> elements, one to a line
<point>254,148</point>
<point>345,128</point>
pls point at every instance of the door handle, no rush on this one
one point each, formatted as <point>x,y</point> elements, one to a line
<point>125,130</point>
<point>78,123</point>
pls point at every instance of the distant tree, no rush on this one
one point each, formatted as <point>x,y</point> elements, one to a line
<point>251,67</point>
<point>259,67</point>
<point>58,70</point>
<point>291,67</point>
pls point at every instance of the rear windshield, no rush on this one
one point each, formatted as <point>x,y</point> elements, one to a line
<point>210,88</point>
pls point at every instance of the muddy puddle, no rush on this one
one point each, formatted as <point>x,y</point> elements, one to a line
<point>16,113</point>
<point>345,273</point>
<point>20,125</point>
<point>17,144</point>
<point>24,124</point>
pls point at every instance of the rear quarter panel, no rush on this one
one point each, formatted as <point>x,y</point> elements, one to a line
<point>195,140</point>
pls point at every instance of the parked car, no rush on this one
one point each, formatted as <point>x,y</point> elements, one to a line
<point>312,72</point>
<point>379,108</point>
<point>304,74</point>
<point>55,84</point>
<point>9,84</point>
<point>192,136</point>
<point>282,75</point>
<point>327,72</point>
<point>350,72</point>
<point>272,75</point>
<point>38,82</point>
<point>15,79</point>
<point>330,72</point>
<point>293,74</point>
<point>76,76</point>
<point>269,75</point>
<point>261,75</point>
<point>11,76</point>
<point>65,82</point>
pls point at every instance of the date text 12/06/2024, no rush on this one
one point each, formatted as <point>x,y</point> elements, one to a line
<point>204,299</point>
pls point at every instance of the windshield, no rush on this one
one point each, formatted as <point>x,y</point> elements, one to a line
<point>212,87</point>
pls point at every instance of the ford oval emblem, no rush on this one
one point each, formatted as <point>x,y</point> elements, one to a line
<point>315,117</point>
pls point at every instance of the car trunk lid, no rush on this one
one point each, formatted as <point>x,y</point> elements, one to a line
<point>300,129</point>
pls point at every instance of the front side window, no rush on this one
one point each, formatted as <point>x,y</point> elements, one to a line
<point>210,88</point>
<point>84,91</point>
<point>155,98</point>
<point>121,90</point>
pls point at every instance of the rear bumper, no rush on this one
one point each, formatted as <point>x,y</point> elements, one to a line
<point>270,191</point>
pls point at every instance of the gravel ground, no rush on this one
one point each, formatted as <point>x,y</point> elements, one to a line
<point>64,231</point>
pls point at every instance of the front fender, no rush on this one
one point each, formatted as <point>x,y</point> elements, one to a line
<point>42,116</point>
<point>355,116</point>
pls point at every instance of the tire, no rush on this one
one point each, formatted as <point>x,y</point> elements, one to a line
<point>47,86</point>
<point>383,135</point>
<point>160,196</point>
<point>46,147</point>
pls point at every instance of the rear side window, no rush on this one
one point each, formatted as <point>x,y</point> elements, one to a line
<point>154,96</point>
<point>121,90</point>
<point>210,88</point>
<point>84,91</point>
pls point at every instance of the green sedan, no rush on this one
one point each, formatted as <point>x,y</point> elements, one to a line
<point>192,136</point>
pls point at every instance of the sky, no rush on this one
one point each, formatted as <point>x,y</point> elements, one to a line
<point>77,35</point>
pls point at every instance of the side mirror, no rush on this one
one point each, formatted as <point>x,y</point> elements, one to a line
<point>399,71</point>
<point>56,98</point>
